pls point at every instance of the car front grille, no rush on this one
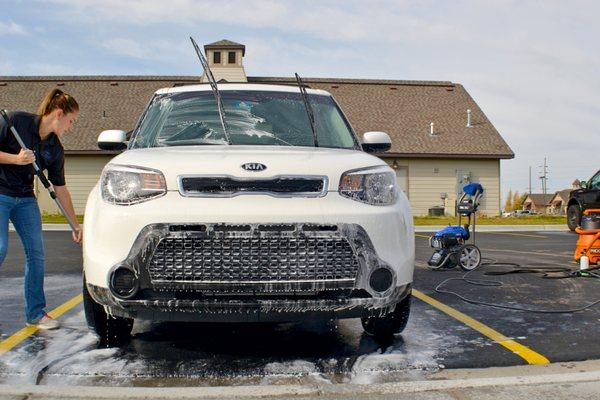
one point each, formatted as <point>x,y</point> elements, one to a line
<point>247,256</point>
<point>227,186</point>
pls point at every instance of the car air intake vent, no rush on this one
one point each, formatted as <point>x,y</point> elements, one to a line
<point>232,228</point>
<point>263,256</point>
<point>279,186</point>
<point>319,228</point>
<point>276,228</point>
<point>182,228</point>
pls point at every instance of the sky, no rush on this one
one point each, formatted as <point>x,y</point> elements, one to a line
<point>532,66</point>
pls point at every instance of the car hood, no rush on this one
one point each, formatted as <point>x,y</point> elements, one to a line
<point>228,160</point>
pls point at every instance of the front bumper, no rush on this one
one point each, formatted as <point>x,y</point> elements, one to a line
<point>383,235</point>
<point>248,310</point>
<point>252,272</point>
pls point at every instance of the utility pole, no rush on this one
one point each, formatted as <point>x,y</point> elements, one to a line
<point>544,178</point>
<point>530,179</point>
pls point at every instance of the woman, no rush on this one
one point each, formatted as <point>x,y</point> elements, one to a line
<point>40,133</point>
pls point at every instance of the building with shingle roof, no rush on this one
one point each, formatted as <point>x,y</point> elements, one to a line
<point>432,161</point>
<point>558,203</point>
<point>537,202</point>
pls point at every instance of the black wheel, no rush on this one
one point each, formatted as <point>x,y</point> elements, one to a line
<point>390,324</point>
<point>573,216</point>
<point>470,257</point>
<point>112,330</point>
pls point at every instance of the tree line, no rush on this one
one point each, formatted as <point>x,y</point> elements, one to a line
<point>514,201</point>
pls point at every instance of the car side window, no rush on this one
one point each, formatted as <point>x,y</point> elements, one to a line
<point>595,181</point>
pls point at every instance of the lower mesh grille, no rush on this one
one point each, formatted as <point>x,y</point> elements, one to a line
<point>268,257</point>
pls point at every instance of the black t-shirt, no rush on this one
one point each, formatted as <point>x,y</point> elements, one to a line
<point>17,180</point>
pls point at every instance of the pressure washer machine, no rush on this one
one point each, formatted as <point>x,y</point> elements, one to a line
<point>588,244</point>
<point>450,243</point>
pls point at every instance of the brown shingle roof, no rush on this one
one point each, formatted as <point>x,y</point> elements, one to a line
<point>540,199</point>
<point>106,102</point>
<point>403,109</point>
<point>225,44</point>
<point>562,195</point>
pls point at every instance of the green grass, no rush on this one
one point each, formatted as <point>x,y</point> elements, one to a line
<point>58,219</point>
<point>530,220</point>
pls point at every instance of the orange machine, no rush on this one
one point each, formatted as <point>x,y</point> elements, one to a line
<point>589,238</point>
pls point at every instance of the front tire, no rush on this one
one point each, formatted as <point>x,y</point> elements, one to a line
<point>112,331</point>
<point>573,216</point>
<point>390,324</point>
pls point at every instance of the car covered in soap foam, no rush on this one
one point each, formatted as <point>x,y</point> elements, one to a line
<point>249,214</point>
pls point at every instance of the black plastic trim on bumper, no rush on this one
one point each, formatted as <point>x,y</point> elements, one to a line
<point>247,310</point>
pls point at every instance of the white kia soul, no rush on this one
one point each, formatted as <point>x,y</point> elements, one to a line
<point>271,210</point>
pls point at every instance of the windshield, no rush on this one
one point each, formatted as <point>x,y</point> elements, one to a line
<point>251,118</point>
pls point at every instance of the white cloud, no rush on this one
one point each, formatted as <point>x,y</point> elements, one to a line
<point>125,47</point>
<point>387,22</point>
<point>276,57</point>
<point>147,50</point>
<point>11,28</point>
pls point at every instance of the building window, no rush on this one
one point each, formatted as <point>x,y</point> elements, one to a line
<point>217,57</point>
<point>231,57</point>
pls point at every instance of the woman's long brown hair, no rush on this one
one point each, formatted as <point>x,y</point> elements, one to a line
<point>56,98</point>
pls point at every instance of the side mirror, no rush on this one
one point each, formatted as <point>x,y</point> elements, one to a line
<point>583,184</point>
<point>113,139</point>
<point>376,142</point>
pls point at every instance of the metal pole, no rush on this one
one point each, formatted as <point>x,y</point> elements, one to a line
<point>39,172</point>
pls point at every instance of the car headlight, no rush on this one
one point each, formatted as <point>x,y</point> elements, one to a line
<point>376,186</point>
<point>125,185</point>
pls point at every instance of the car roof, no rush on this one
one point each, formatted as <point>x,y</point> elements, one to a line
<point>240,86</point>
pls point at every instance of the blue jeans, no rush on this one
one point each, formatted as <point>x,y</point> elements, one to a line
<point>25,216</point>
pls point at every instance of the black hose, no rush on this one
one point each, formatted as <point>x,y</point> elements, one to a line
<point>517,268</point>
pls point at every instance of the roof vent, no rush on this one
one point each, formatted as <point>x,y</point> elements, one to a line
<point>3,83</point>
<point>114,84</point>
<point>334,86</point>
<point>469,119</point>
<point>393,88</point>
<point>431,131</point>
<point>60,84</point>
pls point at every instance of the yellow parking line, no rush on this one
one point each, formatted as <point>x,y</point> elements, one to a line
<point>500,233</point>
<point>529,253</point>
<point>516,234</point>
<point>16,338</point>
<point>524,352</point>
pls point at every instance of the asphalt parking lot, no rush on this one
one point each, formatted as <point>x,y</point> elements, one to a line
<point>443,331</point>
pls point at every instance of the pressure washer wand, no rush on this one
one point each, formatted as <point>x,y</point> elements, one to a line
<point>39,172</point>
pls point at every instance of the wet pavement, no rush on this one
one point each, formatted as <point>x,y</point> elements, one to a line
<point>180,354</point>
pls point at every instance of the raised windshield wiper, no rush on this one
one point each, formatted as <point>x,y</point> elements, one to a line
<point>213,85</point>
<point>309,110</point>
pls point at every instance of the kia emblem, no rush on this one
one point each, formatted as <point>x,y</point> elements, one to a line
<point>255,167</point>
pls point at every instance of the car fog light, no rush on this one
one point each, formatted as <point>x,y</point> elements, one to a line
<point>381,280</point>
<point>124,283</point>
